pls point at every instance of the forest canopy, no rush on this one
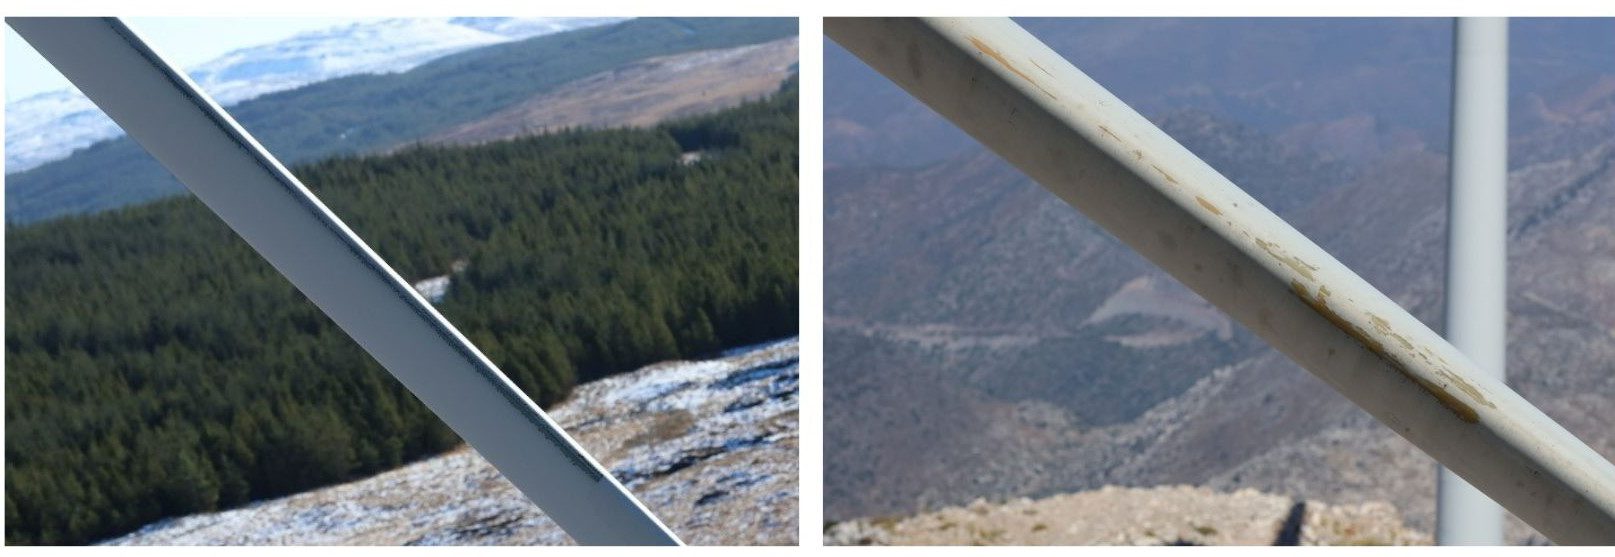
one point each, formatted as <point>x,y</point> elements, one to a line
<point>156,366</point>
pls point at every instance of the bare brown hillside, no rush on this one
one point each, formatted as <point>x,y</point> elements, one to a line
<point>643,93</point>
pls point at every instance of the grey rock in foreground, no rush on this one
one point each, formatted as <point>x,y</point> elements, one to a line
<point>710,447</point>
<point>1168,515</point>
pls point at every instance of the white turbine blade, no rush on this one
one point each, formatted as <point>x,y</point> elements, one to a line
<point>158,106</point>
<point>1046,117</point>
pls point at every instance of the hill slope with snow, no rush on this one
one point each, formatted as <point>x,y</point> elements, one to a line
<point>710,447</point>
<point>368,113</point>
<point>51,125</point>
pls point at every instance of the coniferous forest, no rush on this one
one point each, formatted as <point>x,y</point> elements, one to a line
<point>156,366</point>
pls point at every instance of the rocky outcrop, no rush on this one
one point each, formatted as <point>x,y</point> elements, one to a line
<point>1168,515</point>
<point>710,447</point>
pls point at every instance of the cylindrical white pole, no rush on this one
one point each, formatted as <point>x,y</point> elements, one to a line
<point>1477,261</point>
<point>1024,101</point>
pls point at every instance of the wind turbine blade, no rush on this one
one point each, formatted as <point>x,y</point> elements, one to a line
<point>1046,117</point>
<point>158,106</point>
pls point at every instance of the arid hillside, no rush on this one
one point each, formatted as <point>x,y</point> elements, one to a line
<point>642,93</point>
<point>1170,515</point>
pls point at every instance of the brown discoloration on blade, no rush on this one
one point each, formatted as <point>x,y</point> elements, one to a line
<point>1295,263</point>
<point>1466,387</point>
<point>1164,174</point>
<point>1207,204</point>
<point>1460,408</point>
<point>1040,67</point>
<point>1002,61</point>
<point>1320,304</point>
<point>1464,411</point>
<point>1112,134</point>
<point>1380,323</point>
<point>1384,328</point>
<point>1452,379</point>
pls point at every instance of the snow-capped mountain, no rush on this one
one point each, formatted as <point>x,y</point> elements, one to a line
<point>523,27</point>
<point>48,126</point>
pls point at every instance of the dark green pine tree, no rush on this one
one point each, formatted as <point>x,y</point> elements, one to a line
<point>156,366</point>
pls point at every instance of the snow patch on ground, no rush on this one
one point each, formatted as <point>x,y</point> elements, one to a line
<point>710,447</point>
<point>434,289</point>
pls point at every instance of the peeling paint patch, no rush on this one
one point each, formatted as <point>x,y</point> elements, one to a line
<point>1207,204</point>
<point>1464,411</point>
<point>1384,328</point>
<point>995,55</point>
<point>1292,262</point>
<point>1446,374</point>
<point>1466,387</point>
<point>1320,304</point>
<point>1168,177</point>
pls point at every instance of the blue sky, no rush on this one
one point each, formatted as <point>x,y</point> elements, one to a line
<point>186,41</point>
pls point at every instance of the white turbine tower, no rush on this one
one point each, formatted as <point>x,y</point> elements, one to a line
<point>1477,239</point>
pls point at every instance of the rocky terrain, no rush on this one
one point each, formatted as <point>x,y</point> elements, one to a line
<point>993,343</point>
<point>710,447</point>
<point>1172,515</point>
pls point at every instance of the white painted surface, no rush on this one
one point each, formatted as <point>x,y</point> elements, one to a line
<point>1028,104</point>
<point>235,177</point>
<point>1477,246</point>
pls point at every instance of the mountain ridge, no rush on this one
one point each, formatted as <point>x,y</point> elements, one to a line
<point>49,126</point>
<point>365,113</point>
